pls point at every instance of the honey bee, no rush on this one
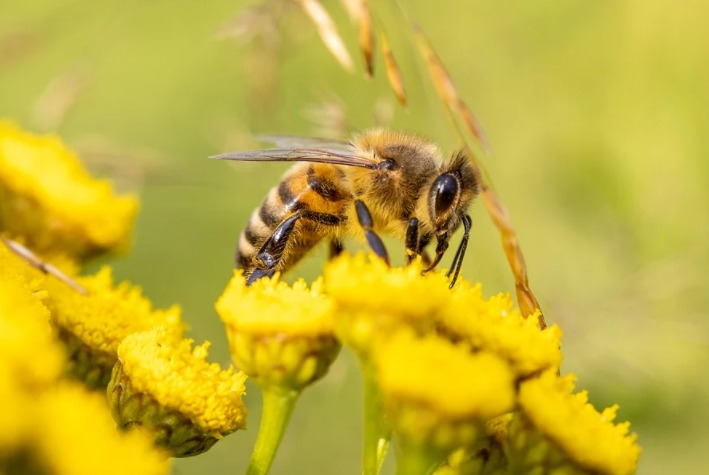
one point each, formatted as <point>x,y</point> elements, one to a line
<point>381,182</point>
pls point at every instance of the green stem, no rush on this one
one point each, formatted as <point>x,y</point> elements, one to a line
<point>376,433</point>
<point>418,460</point>
<point>278,407</point>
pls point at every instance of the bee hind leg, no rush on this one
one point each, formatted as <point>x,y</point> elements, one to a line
<point>365,220</point>
<point>271,251</point>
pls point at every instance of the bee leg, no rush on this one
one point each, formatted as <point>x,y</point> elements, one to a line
<point>259,274</point>
<point>365,220</point>
<point>271,252</point>
<point>412,240</point>
<point>460,253</point>
<point>425,257</point>
<point>336,248</point>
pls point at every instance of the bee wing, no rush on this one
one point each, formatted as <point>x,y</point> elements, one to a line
<point>351,158</point>
<point>296,141</point>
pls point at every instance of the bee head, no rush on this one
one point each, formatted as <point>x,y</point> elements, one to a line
<point>449,197</point>
<point>451,193</point>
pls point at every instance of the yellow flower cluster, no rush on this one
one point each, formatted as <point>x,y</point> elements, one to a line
<point>449,365</point>
<point>50,203</point>
<point>47,197</point>
<point>50,425</point>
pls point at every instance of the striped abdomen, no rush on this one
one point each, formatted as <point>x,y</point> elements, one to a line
<point>319,193</point>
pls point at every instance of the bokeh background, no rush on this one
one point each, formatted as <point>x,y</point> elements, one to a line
<point>598,114</point>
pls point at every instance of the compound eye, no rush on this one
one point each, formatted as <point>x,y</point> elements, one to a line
<point>446,191</point>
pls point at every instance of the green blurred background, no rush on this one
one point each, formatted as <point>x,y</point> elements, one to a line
<point>598,113</point>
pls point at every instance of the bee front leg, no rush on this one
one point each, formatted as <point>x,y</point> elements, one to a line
<point>460,253</point>
<point>271,252</point>
<point>365,220</point>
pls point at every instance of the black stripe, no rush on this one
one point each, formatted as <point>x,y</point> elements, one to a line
<point>323,218</point>
<point>324,187</point>
<point>251,236</point>
<point>290,201</point>
<point>270,215</point>
<point>243,261</point>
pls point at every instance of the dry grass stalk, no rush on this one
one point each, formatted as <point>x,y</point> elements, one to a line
<point>327,31</point>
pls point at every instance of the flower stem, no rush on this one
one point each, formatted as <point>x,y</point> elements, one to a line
<point>278,407</point>
<point>376,434</point>
<point>418,460</point>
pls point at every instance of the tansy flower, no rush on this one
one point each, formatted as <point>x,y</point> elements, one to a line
<point>164,385</point>
<point>437,396</point>
<point>561,429</point>
<point>373,299</point>
<point>24,326</point>
<point>47,197</point>
<point>495,325</point>
<point>73,434</point>
<point>282,336</point>
<point>30,359</point>
<point>92,326</point>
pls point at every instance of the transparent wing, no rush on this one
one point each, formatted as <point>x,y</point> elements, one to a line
<point>351,158</point>
<point>297,141</point>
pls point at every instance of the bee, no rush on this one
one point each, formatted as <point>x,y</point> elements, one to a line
<point>380,182</point>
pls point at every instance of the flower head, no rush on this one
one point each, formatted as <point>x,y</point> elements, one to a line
<point>93,326</point>
<point>75,436</point>
<point>163,384</point>
<point>439,393</point>
<point>494,325</point>
<point>571,430</point>
<point>373,299</point>
<point>280,335</point>
<point>47,197</point>
<point>24,326</point>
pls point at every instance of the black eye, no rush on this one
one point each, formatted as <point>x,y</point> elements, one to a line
<point>445,190</point>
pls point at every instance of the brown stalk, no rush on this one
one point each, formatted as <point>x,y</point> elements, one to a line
<point>35,261</point>
<point>366,36</point>
<point>396,79</point>
<point>449,95</point>
<point>327,31</point>
<point>447,90</point>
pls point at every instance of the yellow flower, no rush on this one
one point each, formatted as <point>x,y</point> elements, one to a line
<point>588,440</point>
<point>161,383</point>
<point>279,335</point>
<point>495,325</point>
<point>438,393</point>
<point>373,299</point>
<point>47,197</point>
<point>27,344</point>
<point>92,326</point>
<point>74,435</point>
